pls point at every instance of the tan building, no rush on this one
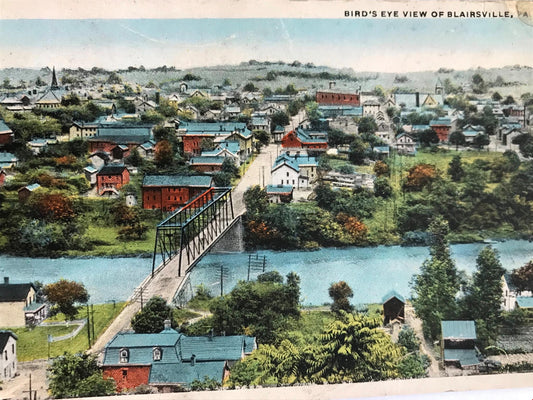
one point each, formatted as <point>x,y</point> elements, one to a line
<point>18,305</point>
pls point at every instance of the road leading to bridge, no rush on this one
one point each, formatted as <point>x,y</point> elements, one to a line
<point>165,281</point>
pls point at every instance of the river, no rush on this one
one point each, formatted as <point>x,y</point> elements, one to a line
<point>370,271</point>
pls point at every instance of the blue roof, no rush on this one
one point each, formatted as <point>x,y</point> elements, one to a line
<point>279,189</point>
<point>305,137</point>
<point>216,128</point>
<point>33,187</point>
<point>133,130</point>
<point>458,330</point>
<point>214,348</point>
<point>3,127</point>
<point>186,373</point>
<point>294,161</point>
<point>230,145</point>
<point>6,157</point>
<point>440,121</point>
<point>207,160</point>
<point>177,180</point>
<point>524,302</point>
<point>464,356</point>
<point>391,294</point>
<point>415,128</point>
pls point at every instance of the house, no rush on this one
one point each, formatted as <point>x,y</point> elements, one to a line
<point>278,133</point>
<point>393,307</point>
<point>170,361</point>
<point>37,145</point>
<point>119,151</point>
<point>90,174</point>
<point>279,193</point>
<point>25,192</point>
<point>471,131</point>
<point>405,143</point>
<point>8,160</point>
<point>300,138</point>
<point>336,111</point>
<point>231,111</point>
<point>458,343</point>
<point>246,142</point>
<point>6,134</point>
<point>211,115</point>
<point>147,149</point>
<point>8,355</point>
<point>18,304</point>
<point>208,165</point>
<point>83,130</point>
<point>109,136</point>
<point>99,159</point>
<point>51,99</point>
<point>227,149</point>
<point>261,123</point>
<point>168,192</point>
<point>111,178</point>
<point>351,181</point>
<point>297,171</point>
<point>442,127</point>
<point>338,98</point>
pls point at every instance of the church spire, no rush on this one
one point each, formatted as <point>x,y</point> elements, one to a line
<point>54,85</point>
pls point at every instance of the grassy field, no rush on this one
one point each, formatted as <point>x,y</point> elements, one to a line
<point>32,343</point>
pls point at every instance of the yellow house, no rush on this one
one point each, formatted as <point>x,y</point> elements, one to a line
<point>246,141</point>
<point>18,304</point>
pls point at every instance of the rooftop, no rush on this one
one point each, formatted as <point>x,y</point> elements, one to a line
<point>177,180</point>
<point>458,330</point>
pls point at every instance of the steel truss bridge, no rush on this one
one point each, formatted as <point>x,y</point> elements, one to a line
<point>193,229</point>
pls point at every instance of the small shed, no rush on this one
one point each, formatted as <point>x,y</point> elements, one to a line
<point>458,343</point>
<point>393,307</point>
<point>26,191</point>
<point>279,193</point>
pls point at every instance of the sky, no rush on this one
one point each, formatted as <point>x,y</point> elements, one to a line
<point>381,45</point>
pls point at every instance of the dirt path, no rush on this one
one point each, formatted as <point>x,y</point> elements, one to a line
<point>416,323</point>
<point>18,387</point>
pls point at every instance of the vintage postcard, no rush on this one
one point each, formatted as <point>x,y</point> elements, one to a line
<point>197,195</point>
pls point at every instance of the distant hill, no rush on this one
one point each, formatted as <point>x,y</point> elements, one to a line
<point>516,79</point>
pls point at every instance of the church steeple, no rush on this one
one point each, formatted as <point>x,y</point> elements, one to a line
<point>54,85</point>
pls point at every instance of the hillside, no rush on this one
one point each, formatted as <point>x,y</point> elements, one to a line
<point>517,79</point>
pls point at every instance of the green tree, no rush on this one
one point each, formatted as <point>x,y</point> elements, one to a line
<point>457,138</point>
<point>340,293</point>
<point>65,295</point>
<point>437,284</point>
<point>78,375</point>
<point>382,188</point>
<point>256,201</point>
<point>428,137</point>
<point>354,348</point>
<point>455,169</point>
<point>358,151</point>
<point>483,298</point>
<point>261,308</point>
<point>262,138</point>
<point>151,319</point>
<point>522,277</point>
<point>367,125</point>
<point>250,87</point>
<point>496,96</point>
<point>164,154</point>
<point>280,118</point>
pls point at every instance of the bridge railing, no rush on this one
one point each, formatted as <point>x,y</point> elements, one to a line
<point>193,227</point>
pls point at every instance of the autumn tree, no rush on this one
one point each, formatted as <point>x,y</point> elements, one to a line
<point>355,228</point>
<point>164,154</point>
<point>53,206</point>
<point>340,293</point>
<point>65,294</point>
<point>420,176</point>
<point>381,169</point>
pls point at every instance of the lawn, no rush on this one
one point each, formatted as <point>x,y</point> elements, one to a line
<point>32,343</point>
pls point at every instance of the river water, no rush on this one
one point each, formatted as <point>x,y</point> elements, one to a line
<point>370,271</point>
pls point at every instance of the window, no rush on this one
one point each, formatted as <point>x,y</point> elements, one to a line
<point>13,348</point>
<point>157,354</point>
<point>287,174</point>
<point>124,373</point>
<point>5,354</point>
<point>124,355</point>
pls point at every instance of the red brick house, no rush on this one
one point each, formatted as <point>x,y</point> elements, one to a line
<point>111,178</point>
<point>208,165</point>
<point>299,138</point>
<point>192,142</point>
<point>168,192</point>
<point>338,98</point>
<point>442,127</point>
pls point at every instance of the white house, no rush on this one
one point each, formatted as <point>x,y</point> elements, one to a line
<point>510,293</point>
<point>297,171</point>
<point>8,352</point>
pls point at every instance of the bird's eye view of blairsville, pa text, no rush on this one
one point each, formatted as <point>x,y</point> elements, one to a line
<point>240,199</point>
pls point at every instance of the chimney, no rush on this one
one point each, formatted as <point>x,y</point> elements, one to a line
<point>193,360</point>
<point>167,324</point>
<point>6,280</point>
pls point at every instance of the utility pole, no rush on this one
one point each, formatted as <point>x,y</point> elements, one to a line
<point>221,280</point>
<point>88,326</point>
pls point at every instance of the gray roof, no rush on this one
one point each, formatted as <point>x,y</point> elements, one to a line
<point>4,337</point>
<point>112,170</point>
<point>177,180</point>
<point>458,330</point>
<point>14,291</point>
